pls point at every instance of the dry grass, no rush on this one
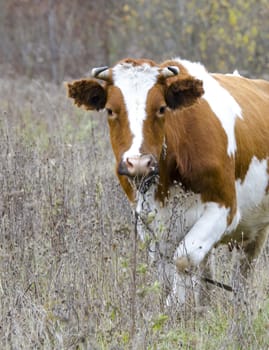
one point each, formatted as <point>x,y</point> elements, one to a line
<point>67,245</point>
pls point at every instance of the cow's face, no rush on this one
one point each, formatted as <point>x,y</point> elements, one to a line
<point>137,95</point>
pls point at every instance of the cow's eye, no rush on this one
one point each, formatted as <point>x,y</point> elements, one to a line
<point>109,112</point>
<point>161,110</point>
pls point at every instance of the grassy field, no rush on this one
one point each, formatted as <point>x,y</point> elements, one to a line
<point>67,250</point>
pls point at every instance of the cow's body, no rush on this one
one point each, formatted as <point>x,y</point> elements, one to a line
<point>192,152</point>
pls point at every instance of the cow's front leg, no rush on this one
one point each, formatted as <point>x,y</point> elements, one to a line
<point>196,245</point>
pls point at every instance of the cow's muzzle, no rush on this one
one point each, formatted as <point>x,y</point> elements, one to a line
<point>139,166</point>
<point>142,170</point>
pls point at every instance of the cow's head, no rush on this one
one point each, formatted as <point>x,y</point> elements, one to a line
<point>137,95</point>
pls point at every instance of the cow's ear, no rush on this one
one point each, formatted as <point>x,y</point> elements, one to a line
<point>182,93</point>
<point>87,93</point>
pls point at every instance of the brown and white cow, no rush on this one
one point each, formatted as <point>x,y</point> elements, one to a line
<point>192,153</point>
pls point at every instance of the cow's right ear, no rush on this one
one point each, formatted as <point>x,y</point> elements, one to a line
<point>87,93</point>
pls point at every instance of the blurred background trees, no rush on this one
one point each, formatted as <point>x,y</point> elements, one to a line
<point>59,39</point>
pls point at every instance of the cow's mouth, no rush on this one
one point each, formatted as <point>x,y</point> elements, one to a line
<point>143,183</point>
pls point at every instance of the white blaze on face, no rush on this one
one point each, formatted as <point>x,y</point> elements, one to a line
<point>135,83</point>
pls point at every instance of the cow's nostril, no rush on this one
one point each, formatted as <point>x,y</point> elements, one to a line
<point>130,162</point>
<point>151,163</point>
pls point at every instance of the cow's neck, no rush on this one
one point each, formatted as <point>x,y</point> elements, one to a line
<point>169,175</point>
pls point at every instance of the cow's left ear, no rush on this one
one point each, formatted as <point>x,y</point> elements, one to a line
<point>183,92</point>
<point>87,93</point>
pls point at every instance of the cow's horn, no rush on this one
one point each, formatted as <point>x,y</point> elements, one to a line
<point>170,71</point>
<point>101,73</point>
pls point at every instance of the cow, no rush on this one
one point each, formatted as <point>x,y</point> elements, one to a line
<point>192,155</point>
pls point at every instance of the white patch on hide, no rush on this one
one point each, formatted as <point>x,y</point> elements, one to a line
<point>220,101</point>
<point>252,202</point>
